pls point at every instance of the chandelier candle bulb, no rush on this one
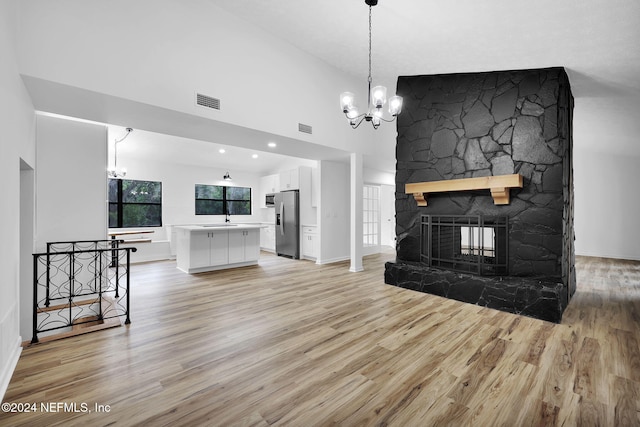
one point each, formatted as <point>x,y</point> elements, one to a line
<point>395,105</point>
<point>346,101</point>
<point>379,96</point>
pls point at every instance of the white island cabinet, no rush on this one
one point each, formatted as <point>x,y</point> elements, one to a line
<point>213,247</point>
<point>244,245</point>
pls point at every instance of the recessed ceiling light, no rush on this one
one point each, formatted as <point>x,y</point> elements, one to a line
<point>255,156</point>
<point>222,151</point>
<point>272,144</point>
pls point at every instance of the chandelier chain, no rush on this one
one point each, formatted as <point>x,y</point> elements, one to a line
<point>369,44</point>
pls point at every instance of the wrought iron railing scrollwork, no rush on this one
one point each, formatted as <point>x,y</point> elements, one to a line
<point>80,282</point>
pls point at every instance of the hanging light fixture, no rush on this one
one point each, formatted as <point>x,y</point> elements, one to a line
<point>376,97</point>
<point>227,177</point>
<point>115,172</point>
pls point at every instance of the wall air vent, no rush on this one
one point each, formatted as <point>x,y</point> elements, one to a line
<point>305,128</point>
<point>207,101</point>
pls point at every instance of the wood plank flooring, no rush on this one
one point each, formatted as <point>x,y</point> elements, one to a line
<point>292,343</point>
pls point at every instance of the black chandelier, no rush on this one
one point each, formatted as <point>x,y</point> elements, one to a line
<point>376,97</point>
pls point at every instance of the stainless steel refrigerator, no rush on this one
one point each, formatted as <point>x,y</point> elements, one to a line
<point>287,224</point>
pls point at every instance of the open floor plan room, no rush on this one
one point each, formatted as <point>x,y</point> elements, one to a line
<point>294,343</point>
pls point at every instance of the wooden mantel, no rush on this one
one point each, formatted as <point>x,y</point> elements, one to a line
<point>499,186</point>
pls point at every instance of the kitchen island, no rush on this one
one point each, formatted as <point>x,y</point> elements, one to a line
<point>211,247</point>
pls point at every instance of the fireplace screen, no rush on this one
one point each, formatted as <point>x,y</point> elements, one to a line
<point>471,244</point>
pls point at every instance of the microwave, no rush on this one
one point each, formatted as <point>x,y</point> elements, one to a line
<point>269,200</point>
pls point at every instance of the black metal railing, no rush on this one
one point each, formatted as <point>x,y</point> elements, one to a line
<point>80,282</point>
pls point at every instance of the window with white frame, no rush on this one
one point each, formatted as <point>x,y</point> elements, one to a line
<point>371,215</point>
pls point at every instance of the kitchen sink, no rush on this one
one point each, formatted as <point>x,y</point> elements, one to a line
<point>220,225</point>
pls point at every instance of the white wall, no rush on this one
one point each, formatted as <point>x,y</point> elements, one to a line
<point>606,155</point>
<point>17,141</point>
<point>607,203</point>
<point>334,207</point>
<point>178,190</point>
<point>71,191</point>
<point>376,177</point>
<point>160,52</point>
<point>178,199</point>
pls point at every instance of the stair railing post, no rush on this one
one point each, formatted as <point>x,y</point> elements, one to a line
<point>99,279</point>
<point>117,258</point>
<point>128,321</point>
<point>97,275</point>
<point>47,301</point>
<point>72,285</point>
<point>114,254</point>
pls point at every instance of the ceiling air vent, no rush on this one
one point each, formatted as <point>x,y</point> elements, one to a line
<point>304,128</point>
<point>207,101</point>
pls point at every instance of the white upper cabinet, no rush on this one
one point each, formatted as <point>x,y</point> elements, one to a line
<point>269,184</point>
<point>290,180</point>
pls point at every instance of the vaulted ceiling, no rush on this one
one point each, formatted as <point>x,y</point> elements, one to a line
<point>595,40</point>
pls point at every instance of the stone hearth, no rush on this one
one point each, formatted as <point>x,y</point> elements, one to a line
<point>540,298</point>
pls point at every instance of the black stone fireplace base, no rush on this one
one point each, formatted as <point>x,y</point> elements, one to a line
<point>533,297</point>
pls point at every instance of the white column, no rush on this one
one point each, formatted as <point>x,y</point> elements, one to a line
<point>356,212</point>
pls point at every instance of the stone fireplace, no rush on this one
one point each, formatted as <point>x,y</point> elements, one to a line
<point>509,248</point>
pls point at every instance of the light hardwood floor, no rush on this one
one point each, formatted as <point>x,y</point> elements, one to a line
<point>292,343</point>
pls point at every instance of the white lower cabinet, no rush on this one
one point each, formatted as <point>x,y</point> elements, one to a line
<point>208,249</point>
<point>200,250</point>
<point>244,245</point>
<point>268,238</point>
<point>310,245</point>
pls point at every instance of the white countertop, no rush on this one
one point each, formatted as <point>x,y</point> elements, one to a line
<point>219,227</point>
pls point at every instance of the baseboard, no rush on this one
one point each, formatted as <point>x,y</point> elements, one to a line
<point>151,259</point>
<point>10,366</point>
<point>217,267</point>
<point>620,257</point>
<point>332,260</point>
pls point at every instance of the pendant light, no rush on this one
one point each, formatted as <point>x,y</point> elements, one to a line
<point>115,172</point>
<point>376,97</point>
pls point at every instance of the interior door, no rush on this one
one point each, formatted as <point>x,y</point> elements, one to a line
<point>388,215</point>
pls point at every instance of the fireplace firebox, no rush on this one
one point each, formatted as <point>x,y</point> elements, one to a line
<point>467,243</point>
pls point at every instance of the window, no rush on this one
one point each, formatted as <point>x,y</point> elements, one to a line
<point>221,200</point>
<point>134,203</point>
<point>209,200</point>
<point>371,215</point>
